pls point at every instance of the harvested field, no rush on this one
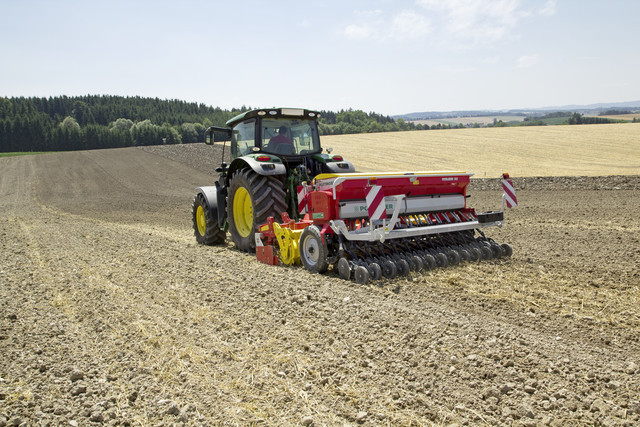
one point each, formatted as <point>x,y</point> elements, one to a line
<point>470,120</point>
<point>589,150</point>
<point>110,313</point>
<point>630,117</point>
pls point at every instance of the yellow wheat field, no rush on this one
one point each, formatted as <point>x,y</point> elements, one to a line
<point>630,116</point>
<point>590,150</point>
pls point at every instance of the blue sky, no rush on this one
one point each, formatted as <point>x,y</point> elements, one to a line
<point>386,56</point>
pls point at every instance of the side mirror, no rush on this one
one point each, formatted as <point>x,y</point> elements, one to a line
<point>216,134</point>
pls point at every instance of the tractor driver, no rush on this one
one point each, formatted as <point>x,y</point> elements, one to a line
<point>281,143</point>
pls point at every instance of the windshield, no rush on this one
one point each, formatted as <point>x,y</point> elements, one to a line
<point>290,136</point>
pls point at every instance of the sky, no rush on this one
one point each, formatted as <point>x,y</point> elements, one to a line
<point>384,56</point>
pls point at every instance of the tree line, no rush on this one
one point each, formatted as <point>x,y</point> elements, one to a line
<point>101,121</point>
<point>87,122</point>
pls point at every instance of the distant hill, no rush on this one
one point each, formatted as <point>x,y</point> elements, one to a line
<point>590,109</point>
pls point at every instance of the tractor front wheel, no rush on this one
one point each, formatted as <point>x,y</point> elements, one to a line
<point>313,250</point>
<point>205,226</point>
<point>252,199</point>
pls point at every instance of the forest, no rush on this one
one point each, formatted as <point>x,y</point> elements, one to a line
<point>66,123</point>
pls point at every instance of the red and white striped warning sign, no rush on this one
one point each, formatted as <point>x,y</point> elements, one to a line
<point>509,192</point>
<point>302,199</point>
<point>375,202</point>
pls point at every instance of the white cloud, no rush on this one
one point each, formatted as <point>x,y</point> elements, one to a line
<point>408,25</point>
<point>549,8</point>
<point>491,60</point>
<point>401,26</point>
<point>358,32</point>
<point>527,61</point>
<point>479,21</point>
<point>368,13</point>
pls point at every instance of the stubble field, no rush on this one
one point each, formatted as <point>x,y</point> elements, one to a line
<point>589,150</point>
<point>112,314</point>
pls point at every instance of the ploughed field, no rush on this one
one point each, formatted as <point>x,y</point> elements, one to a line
<point>110,313</point>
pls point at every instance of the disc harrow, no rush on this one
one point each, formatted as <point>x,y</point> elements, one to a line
<point>399,258</point>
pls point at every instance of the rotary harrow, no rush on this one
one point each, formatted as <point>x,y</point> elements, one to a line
<point>286,200</point>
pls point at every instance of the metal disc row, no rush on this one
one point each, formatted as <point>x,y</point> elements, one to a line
<point>366,261</point>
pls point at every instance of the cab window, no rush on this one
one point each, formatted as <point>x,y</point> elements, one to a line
<point>243,138</point>
<point>290,136</point>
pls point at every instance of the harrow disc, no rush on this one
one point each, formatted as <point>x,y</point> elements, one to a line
<point>429,262</point>
<point>441,259</point>
<point>403,267</point>
<point>475,255</point>
<point>361,275</point>
<point>417,263</point>
<point>389,269</point>
<point>464,255</point>
<point>487,253</point>
<point>508,250</point>
<point>344,270</point>
<point>453,257</point>
<point>377,271</point>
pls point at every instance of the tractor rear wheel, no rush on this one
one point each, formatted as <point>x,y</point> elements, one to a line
<point>205,226</point>
<point>313,250</point>
<point>252,199</point>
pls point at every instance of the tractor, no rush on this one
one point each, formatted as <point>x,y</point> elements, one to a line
<point>272,152</point>
<point>285,199</point>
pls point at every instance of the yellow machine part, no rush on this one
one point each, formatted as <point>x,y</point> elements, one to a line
<point>288,242</point>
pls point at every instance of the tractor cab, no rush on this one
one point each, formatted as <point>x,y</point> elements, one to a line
<point>274,134</point>
<point>286,138</point>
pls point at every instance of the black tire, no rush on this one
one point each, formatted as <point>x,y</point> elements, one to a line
<point>263,197</point>
<point>313,250</point>
<point>205,226</point>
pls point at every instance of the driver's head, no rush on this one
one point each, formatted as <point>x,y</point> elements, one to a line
<point>283,130</point>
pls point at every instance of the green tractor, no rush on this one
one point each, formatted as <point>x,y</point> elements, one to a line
<point>273,151</point>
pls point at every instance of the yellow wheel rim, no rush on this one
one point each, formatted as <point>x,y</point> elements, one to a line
<point>243,212</point>
<point>201,221</point>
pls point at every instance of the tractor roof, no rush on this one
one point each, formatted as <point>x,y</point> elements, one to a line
<point>274,113</point>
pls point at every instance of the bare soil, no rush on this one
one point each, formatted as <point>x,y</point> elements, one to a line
<point>110,313</point>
